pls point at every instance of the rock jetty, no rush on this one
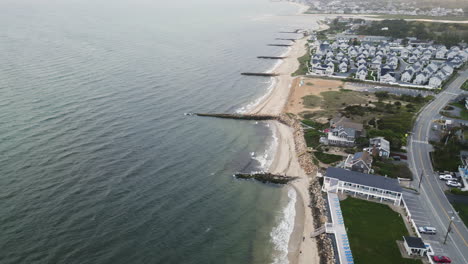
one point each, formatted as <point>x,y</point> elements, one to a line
<point>266,177</point>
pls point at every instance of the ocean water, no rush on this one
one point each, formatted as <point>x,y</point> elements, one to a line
<point>99,164</point>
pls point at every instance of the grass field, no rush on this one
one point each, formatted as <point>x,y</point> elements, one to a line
<point>462,210</point>
<point>373,229</point>
<point>312,101</point>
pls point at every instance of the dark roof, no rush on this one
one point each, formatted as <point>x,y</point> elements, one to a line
<point>414,242</point>
<point>376,181</point>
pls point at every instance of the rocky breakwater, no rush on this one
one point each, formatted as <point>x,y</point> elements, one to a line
<point>318,203</point>
<point>266,177</point>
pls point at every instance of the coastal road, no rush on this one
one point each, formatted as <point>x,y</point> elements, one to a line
<point>434,208</point>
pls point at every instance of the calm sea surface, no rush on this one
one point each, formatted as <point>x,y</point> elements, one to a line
<point>98,163</point>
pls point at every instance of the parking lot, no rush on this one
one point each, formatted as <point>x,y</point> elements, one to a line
<point>422,218</point>
<point>366,87</point>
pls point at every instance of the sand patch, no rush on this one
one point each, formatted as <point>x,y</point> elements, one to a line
<point>303,86</point>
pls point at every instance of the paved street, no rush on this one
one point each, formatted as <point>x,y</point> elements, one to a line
<point>431,207</point>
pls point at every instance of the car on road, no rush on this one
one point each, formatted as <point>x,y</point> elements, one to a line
<point>446,177</point>
<point>441,259</point>
<point>427,230</point>
<point>453,184</point>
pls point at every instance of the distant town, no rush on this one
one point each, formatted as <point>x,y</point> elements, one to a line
<point>399,61</point>
<point>409,8</point>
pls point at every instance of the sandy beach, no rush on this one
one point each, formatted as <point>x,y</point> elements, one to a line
<point>302,249</point>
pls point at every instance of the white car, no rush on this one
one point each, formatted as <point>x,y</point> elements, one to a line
<point>453,184</point>
<point>427,230</point>
<point>446,177</point>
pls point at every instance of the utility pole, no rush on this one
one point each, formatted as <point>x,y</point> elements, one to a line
<point>420,180</point>
<point>448,229</point>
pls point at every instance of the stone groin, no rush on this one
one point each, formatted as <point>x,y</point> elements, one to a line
<point>263,74</point>
<point>239,116</point>
<point>266,177</point>
<point>271,57</point>
<point>293,40</point>
<point>279,45</point>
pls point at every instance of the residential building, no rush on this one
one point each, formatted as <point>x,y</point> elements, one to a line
<point>407,76</point>
<point>361,162</point>
<point>414,246</point>
<point>379,146</point>
<point>341,136</point>
<point>435,82</point>
<point>364,185</point>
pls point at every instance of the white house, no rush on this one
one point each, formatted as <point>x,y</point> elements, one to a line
<point>341,136</point>
<point>421,78</point>
<point>435,81</point>
<point>343,67</point>
<point>407,76</point>
<point>388,77</point>
<point>414,246</point>
<point>379,146</point>
<point>440,53</point>
<point>361,74</point>
<point>413,58</point>
<point>366,186</point>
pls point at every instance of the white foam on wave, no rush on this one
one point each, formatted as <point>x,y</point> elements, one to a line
<point>266,158</point>
<point>281,234</point>
<point>253,104</point>
<point>273,81</point>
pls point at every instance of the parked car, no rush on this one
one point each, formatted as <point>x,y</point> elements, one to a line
<point>454,184</point>
<point>427,230</point>
<point>446,177</point>
<point>441,259</point>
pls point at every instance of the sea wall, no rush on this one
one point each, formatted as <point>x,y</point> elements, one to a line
<point>318,204</point>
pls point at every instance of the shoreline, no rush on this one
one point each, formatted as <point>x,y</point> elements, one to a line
<point>301,248</point>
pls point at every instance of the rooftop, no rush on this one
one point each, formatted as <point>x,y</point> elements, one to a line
<point>414,242</point>
<point>364,179</point>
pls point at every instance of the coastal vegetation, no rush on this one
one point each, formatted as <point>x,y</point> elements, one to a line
<point>464,86</point>
<point>445,155</point>
<point>448,34</point>
<point>382,113</point>
<point>303,64</point>
<point>386,167</point>
<point>373,230</point>
<point>312,137</point>
<point>327,158</point>
<point>456,110</point>
<point>311,101</point>
<point>462,210</point>
<point>458,191</point>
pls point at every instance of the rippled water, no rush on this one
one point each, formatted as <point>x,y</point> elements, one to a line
<point>98,164</point>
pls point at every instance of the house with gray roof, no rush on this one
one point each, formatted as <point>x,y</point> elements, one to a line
<point>366,186</point>
<point>435,81</point>
<point>360,161</point>
<point>407,76</point>
<point>379,147</point>
<point>341,136</point>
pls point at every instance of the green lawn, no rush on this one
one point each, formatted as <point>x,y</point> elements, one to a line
<point>462,210</point>
<point>373,229</point>
<point>464,86</point>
